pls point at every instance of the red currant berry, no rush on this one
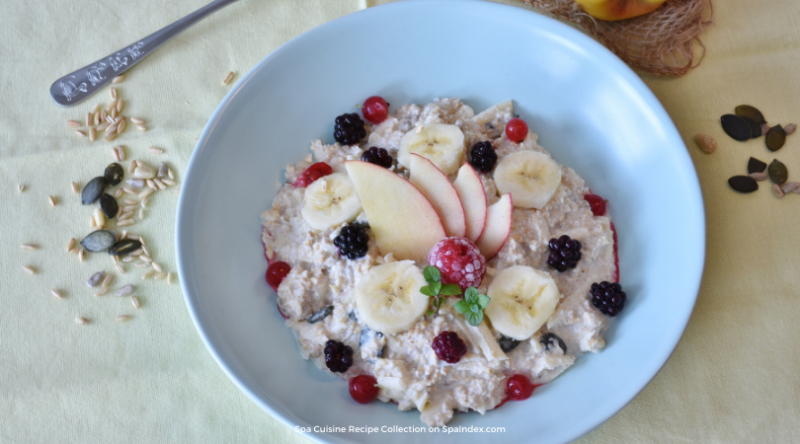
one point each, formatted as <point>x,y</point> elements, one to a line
<point>363,388</point>
<point>375,110</point>
<point>276,272</point>
<point>312,173</point>
<point>597,203</point>
<point>516,130</point>
<point>519,388</point>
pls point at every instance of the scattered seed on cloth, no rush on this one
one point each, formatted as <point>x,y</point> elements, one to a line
<point>777,172</point>
<point>775,138</point>
<point>706,143</point>
<point>736,127</point>
<point>756,166</point>
<point>743,184</point>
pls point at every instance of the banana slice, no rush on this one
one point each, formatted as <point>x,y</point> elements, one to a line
<point>531,178</point>
<point>388,298</point>
<point>522,300</point>
<point>441,143</point>
<point>330,201</point>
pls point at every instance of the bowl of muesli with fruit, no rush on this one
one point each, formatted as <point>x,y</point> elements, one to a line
<point>396,249</point>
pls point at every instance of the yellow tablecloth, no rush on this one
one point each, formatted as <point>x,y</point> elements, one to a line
<point>733,378</point>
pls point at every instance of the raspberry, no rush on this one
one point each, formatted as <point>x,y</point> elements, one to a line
<point>459,261</point>
<point>349,129</point>
<point>375,109</point>
<point>519,388</point>
<point>449,347</point>
<point>516,130</point>
<point>312,173</point>
<point>276,273</point>
<point>338,357</point>
<point>363,388</point>
<point>608,298</point>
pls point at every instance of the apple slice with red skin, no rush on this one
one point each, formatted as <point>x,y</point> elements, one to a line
<point>435,185</point>
<point>400,217</point>
<point>498,227</point>
<point>473,197</point>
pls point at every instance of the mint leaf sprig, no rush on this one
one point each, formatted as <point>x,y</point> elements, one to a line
<point>436,289</point>
<point>472,306</point>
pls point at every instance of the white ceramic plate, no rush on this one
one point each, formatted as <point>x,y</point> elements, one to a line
<point>590,111</point>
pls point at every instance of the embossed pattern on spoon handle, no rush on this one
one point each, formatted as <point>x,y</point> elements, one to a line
<point>75,87</point>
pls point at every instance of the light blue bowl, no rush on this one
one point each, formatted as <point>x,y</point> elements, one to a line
<point>590,111</point>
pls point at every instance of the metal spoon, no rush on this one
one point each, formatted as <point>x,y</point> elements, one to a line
<point>73,88</point>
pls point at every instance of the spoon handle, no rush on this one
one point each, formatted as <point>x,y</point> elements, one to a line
<point>73,88</point>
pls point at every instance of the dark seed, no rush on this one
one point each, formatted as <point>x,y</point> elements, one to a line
<point>320,315</point>
<point>750,112</point>
<point>381,352</point>
<point>109,205</point>
<point>736,127</point>
<point>124,247</point>
<point>548,338</point>
<point>508,344</point>
<point>755,128</point>
<point>743,184</point>
<point>92,191</point>
<point>99,240</point>
<point>777,172</point>
<point>353,316</point>
<point>755,166</point>
<point>113,174</point>
<point>775,138</point>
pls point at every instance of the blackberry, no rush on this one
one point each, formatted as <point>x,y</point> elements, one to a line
<point>352,241</point>
<point>338,357</point>
<point>608,298</point>
<point>377,156</point>
<point>449,347</point>
<point>482,156</point>
<point>349,129</point>
<point>564,253</point>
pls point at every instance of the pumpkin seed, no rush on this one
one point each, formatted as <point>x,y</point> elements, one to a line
<point>114,174</point>
<point>109,205</point>
<point>775,138</point>
<point>93,190</point>
<point>755,166</point>
<point>320,315</point>
<point>124,247</point>
<point>99,240</point>
<point>750,112</point>
<point>778,172</point>
<point>507,344</point>
<point>743,184</point>
<point>755,127</point>
<point>736,127</point>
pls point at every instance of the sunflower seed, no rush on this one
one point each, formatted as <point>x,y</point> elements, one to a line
<point>110,137</point>
<point>169,174</point>
<point>81,254</point>
<point>118,78</point>
<point>29,246</point>
<point>71,244</point>
<point>118,193</point>
<point>121,150</point>
<point>134,163</point>
<point>95,279</point>
<point>159,276</point>
<point>119,268</point>
<point>89,119</point>
<point>169,278</point>
<point>52,200</point>
<point>99,240</point>
<point>148,274</point>
<point>141,127</point>
<point>74,123</point>
<point>113,92</point>
<point>135,302</point>
<point>162,170</point>
<point>790,187</point>
<point>120,105</point>
<point>141,239</point>
<point>151,184</point>
<point>126,223</point>
<point>93,190</point>
<point>99,218</point>
<point>136,183</point>
<point>736,127</point>
<point>92,221</point>
<point>128,258</point>
<point>156,150</point>
<point>756,166</point>
<point>81,321</point>
<point>750,112</point>
<point>99,116</point>
<point>775,138</point>
<point>145,193</point>
<point>743,184</point>
<point>107,280</point>
<point>20,188</point>
<point>57,293</point>
<point>759,177</point>
<point>129,190</point>
<point>75,187</point>
<point>122,318</point>
<point>159,184</point>
<point>227,78</point>
<point>126,290</point>
<point>141,264</point>
<point>156,267</point>
<point>28,269</point>
<point>777,190</point>
<point>92,134</point>
<point>103,126</point>
<point>145,250</point>
<point>790,129</point>
<point>137,120</point>
<point>777,172</point>
<point>123,124</point>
